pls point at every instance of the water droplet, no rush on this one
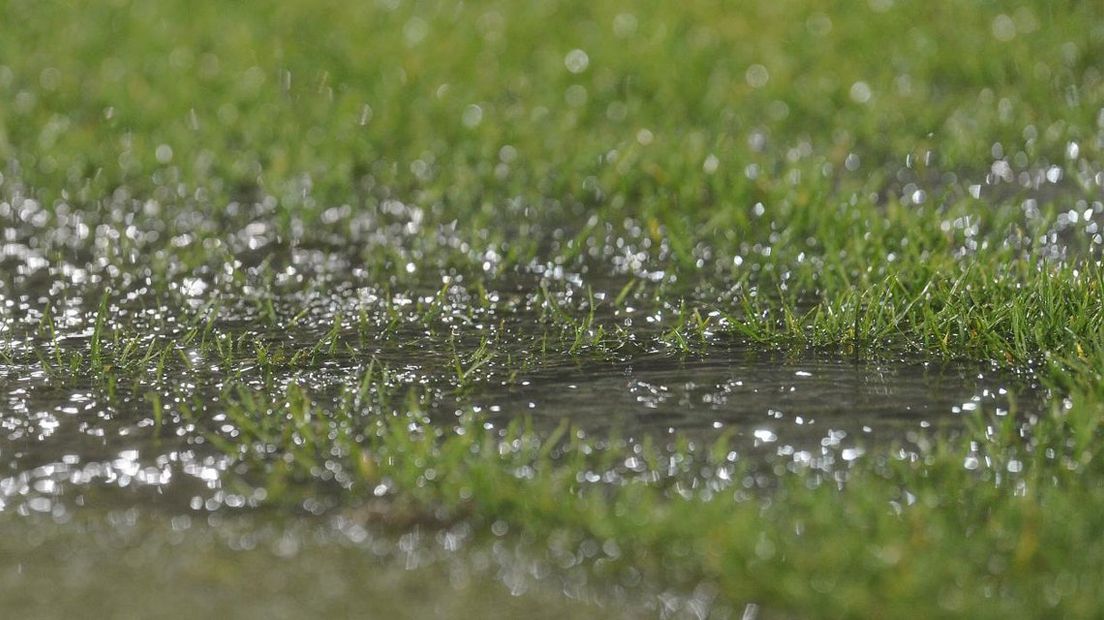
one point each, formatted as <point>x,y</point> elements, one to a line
<point>576,61</point>
<point>765,435</point>
<point>624,25</point>
<point>473,115</point>
<point>1004,29</point>
<point>757,76</point>
<point>860,92</point>
<point>415,31</point>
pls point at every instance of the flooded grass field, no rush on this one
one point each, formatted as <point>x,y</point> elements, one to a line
<point>440,309</point>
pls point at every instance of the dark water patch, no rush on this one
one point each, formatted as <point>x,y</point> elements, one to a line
<point>73,444</point>
<point>771,400</point>
<point>141,403</point>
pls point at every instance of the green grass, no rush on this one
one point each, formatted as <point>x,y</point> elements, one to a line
<point>232,200</point>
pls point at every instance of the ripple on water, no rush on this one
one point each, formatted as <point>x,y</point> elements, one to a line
<point>65,440</point>
<point>791,402</point>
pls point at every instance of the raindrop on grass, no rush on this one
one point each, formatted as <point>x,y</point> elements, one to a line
<point>473,116</point>
<point>757,76</point>
<point>860,92</point>
<point>576,61</point>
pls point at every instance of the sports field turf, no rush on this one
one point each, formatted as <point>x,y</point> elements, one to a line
<point>765,309</point>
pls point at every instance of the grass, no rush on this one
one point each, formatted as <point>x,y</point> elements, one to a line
<point>298,233</point>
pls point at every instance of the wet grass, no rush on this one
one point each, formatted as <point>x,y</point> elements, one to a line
<point>160,564</point>
<point>308,261</point>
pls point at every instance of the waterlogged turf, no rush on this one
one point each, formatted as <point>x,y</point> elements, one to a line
<point>484,309</point>
<point>134,564</point>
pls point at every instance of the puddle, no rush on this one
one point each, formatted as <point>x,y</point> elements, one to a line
<point>93,493</point>
<point>67,442</point>
<point>542,341</point>
<point>211,314</point>
<point>465,216</point>
<point>800,401</point>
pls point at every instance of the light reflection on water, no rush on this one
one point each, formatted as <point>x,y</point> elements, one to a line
<point>65,441</point>
<point>285,314</point>
<point>74,443</point>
